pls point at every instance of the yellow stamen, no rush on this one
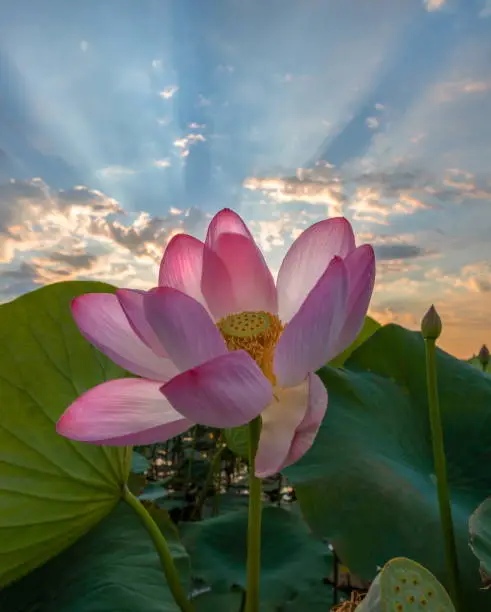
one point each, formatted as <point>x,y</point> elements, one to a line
<point>257,333</point>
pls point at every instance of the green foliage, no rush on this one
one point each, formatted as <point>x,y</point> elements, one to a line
<point>290,555</point>
<point>480,537</point>
<point>367,484</point>
<point>52,490</point>
<point>314,596</point>
<point>406,586</point>
<point>219,602</point>
<point>139,463</point>
<point>114,568</point>
<point>237,439</point>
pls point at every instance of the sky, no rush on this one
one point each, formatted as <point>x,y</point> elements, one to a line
<point>124,122</point>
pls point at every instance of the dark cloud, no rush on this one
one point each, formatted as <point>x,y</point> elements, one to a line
<point>398,251</point>
<point>25,272</point>
<point>74,261</point>
<point>483,285</point>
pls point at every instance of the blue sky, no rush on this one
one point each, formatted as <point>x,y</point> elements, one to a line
<point>123,122</point>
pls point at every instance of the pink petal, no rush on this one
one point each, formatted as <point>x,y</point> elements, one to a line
<point>226,221</point>
<point>132,304</point>
<point>307,430</point>
<point>360,264</point>
<point>239,279</point>
<point>252,282</point>
<point>309,339</point>
<point>307,260</point>
<point>280,420</point>
<point>227,391</point>
<point>182,266</point>
<point>217,286</point>
<point>183,326</point>
<point>103,323</point>
<point>122,412</point>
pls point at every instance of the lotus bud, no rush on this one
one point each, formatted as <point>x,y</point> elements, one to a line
<point>431,325</point>
<point>484,356</point>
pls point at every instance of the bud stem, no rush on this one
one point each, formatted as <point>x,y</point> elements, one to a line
<point>441,473</point>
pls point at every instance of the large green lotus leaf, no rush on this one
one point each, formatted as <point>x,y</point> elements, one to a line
<point>229,602</point>
<point>219,602</point>
<point>480,536</point>
<point>52,490</point>
<point>113,568</point>
<point>290,554</point>
<point>367,483</point>
<point>317,596</point>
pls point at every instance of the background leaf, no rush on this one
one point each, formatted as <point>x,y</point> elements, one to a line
<point>52,490</point>
<point>290,555</point>
<point>139,463</point>
<point>237,439</point>
<point>367,484</point>
<point>114,568</point>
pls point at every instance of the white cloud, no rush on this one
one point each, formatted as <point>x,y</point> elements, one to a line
<point>302,188</point>
<point>115,172</point>
<point>169,92</point>
<point>434,5</point>
<point>372,123</point>
<point>162,163</point>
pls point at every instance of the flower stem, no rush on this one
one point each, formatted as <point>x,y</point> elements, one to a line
<point>170,571</point>
<point>254,523</point>
<point>441,472</point>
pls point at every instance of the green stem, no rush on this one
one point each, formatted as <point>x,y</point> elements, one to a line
<point>254,522</point>
<point>163,551</point>
<point>441,473</point>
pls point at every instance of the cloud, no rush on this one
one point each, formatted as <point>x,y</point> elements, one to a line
<point>450,91</point>
<point>327,190</point>
<point>169,92</point>
<point>398,251</point>
<point>49,235</point>
<point>115,172</point>
<point>382,197</point>
<point>473,278</point>
<point>434,5</point>
<point>372,123</point>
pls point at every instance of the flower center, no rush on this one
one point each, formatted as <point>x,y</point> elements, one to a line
<point>257,333</point>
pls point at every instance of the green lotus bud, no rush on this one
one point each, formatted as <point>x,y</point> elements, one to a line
<point>431,325</point>
<point>484,355</point>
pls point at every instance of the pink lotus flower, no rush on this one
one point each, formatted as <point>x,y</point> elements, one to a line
<point>217,343</point>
